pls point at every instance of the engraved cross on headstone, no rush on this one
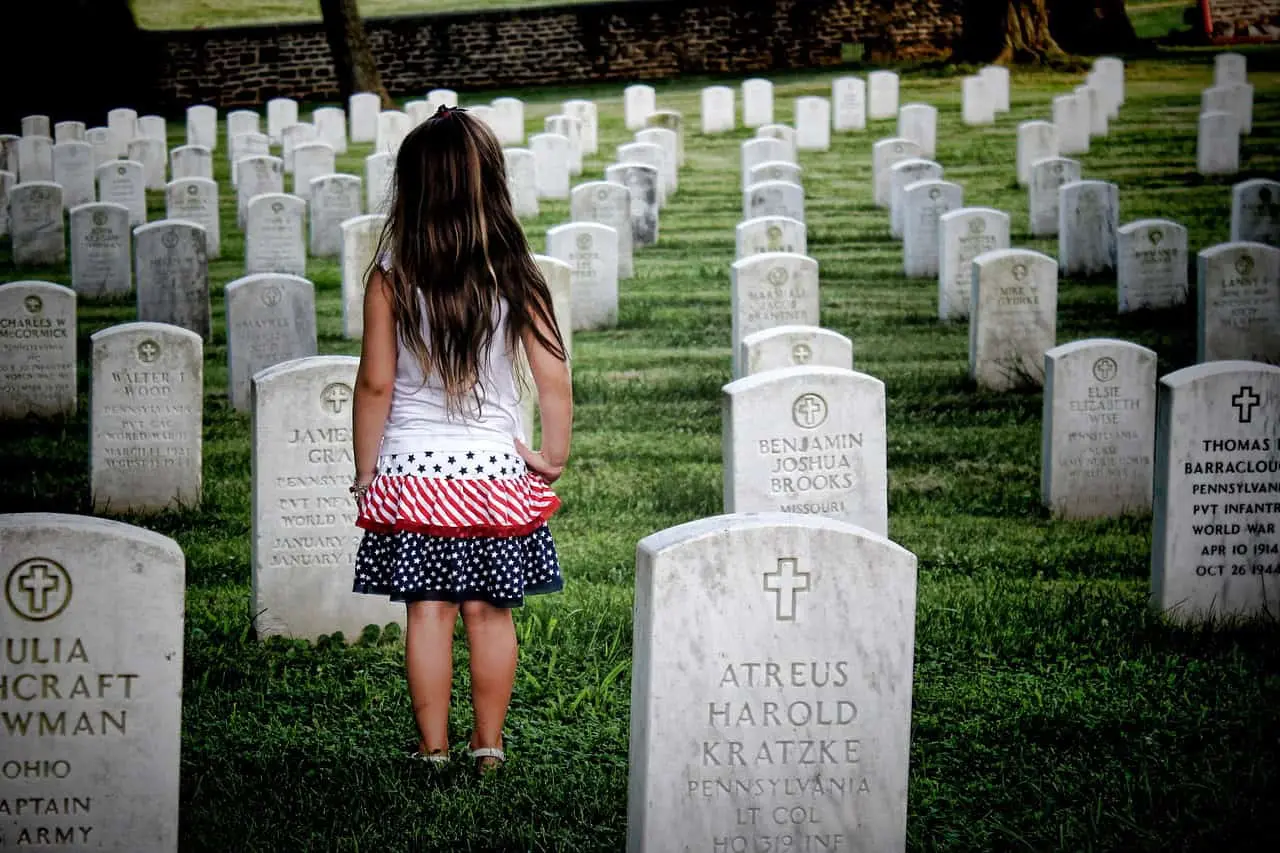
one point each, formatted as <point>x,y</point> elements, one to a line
<point>37,580</point>
<point>335,397</point>
<point>786,583</point>
<point>1245,401</point>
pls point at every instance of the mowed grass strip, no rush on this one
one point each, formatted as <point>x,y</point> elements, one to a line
<point>198,14</point>
<point>1052,710</point>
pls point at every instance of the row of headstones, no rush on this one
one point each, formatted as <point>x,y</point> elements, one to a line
<point>1226,114</point>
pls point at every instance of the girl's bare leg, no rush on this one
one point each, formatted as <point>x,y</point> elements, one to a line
<point>428,658</point>
<point>491,634</point>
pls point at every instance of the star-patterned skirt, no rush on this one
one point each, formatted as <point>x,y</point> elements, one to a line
<point>457,525</point>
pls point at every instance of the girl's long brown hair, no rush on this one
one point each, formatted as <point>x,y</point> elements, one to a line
<point>453,238</point>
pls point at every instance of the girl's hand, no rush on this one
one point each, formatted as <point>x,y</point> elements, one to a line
<point>538,464</point>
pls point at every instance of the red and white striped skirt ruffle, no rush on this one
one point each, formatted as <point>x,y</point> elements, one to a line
<point>410,495</point>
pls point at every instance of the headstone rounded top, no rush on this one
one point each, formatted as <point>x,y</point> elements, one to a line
<point>36,523</point>
<point>283,200</point>
<point>146,327</point>
<point>340,177</point>
<point>1091,343</point>
<point>764,258</point>
<point>362,219</point>
<point>1223,248</point>
<point>962,212</point>
<point>759,186</point>
<point>1026,255</point>
<point>722,526</point>
<point>249,280</point>
<point>548,262</point>
<point>1197,372</point>
<point>1168,224</point>
<point>601,230</point>
<point>806,371</point>
<point>165,224</point>
<point>56,290</point>
<point>304,365</point>
<point>760,220</point>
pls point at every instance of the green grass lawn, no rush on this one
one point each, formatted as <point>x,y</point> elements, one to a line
<point>1154,19</point>
<point>190,14</point>
<point>1052,712</point>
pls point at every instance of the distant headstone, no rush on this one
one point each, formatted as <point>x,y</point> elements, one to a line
<point>121,182</point>
<point>442,97</point>
<point>996,80</point>
<point>100,139</point>
<point>191,161</point>
<point>202,127</point>
<point>719,114</point>
<point>1215,540</point>
<point>1072,121</point>
<point>591,250</point>
<point>775,170</point>
<point>808,440</point>
<point>919,123</point>
<point>901,174</point>
<point>885,153</point>
<point>196,200</point>
<point>331,127</point>
<point>1255,212</point>
<point>849,103</point>
<point>37,349</point>
<point>152,154</point>
<point>173,274</point>
<point>248,145</point>
<point>978,105</point>
<point>559,277</point>
<point>771,289</point>
<point>36,125</point>
<point>882,94</point>
<point>571,129</point>
<point>673,121</point>
<point>363,109</point>
<point>379,170</point>
<point>638,101</point>
<point>145,418</point>
<point>1013,314</point>
<point>1088,215</point>
<point>963,235</point>
<point>310,161</point>
<point>393,127</point>
<point>304,533</point>
<point>757,151</point>
<point>360,236</point>
<point>154,127</point>
<point>100,685</point>
<point>36,230</point>
<point>1236,99</point>
<point>281,113</point>
<point>1238,303</point>
<point>9,153</point>
<point>1151,256</point>
<point>609,204</point>
<point>69,131</point>
<point>586,113</point>
<point>1218,144</point>
<point>782,133</point>
<point>263,175</point>
<point>1109,74</point>
<point>333,200</point>
<point>1098,429</point>
<point>669,166</point>
<point>794,346</point>
<point>1230,68</point>
<point>642,181</point>
<point>292,137</point>
<point>270,318</point>
<point>813,123</point>
<point>241,122</point>
<point>1047,176</point>
<point>273,238</point>
<point>417,111</point>
<point>73,171</point>
<point>522,181</point>
<point>35,159</point>
<point>508,115</point>
<point>7,182</point>
<point>651,155</point>
<point>773,198</point>
<point>551,156</point>
<point>757,102</point>
<point>790,612</point>
<point>923,204</point>
<point>122,124</point>
<point>1095,109</point>
<point>771,234</point>
<point>1037,140</point>
<point>101,250</point>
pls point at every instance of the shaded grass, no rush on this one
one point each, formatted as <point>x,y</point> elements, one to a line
<point>196,14</point>
<point>1052,710</point>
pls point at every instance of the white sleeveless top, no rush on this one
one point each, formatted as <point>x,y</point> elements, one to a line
<point>420,420</point>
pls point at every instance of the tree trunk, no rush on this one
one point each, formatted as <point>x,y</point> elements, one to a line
<point>1027,35</point>
<point>352,56</point>
<point>1091,27</point>
<point>1042,31</point>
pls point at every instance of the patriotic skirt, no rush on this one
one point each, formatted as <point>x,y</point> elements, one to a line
<point>457,526</point>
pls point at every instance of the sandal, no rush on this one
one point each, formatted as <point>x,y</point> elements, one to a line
<point>488,759</point>
<point>439,759</point>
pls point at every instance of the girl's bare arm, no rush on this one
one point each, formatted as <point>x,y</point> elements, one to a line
<point>375,378</point>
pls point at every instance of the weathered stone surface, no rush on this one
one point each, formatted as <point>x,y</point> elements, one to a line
<point>923,203</point>
<point>794,346</point>
<point>1013,315</point>
<point>101,250</point>
<point>884,154</point>
<point>638,101</point>
<point>271,318</point>
<point>591,251</point>
<point>965,234</point>
<point>1088,215</point>
<point>882,94</point>
<point>73,171</point>
<point>719,113</point>
<point>360,236</point>
<point>333,199</point>
<point>771,234</point>
<point>1037,140</point>
<point>609,204</point>
<point>1238,303</point>
<point>849,103</point>
<point>36,229</point>
<point>173,274</point>
<point>196,200</point>
<point>1152,265</point>
<point>121,182</point>
<point>771,289</point>
<point>273,236</point>
<point>642,182</point>
<point>919,123</point>
<point>37,349</point>
<point>1042,196</point>
<point>1255,212</point>
<point>757,102</point>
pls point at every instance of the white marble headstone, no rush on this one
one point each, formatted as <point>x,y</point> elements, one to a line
<point>122,124</point>
<point>849,103</point>
<point>37,349</point>
<point>771,289</point>
<point>996,79</point>
<point>196,200</point>
<point>642,181</point>
<point>191,161</point>
<point>1013,311</point>
<point>393,127</point>
<point>1215,549</point>
<point>522,181</point>
<point>963,235</point>
<point>331,127</point>
<point>36,230</point>
<point>884,153</point>
<point>293,136</point>
<point>442,97</point>
<point>882,94</point>
<point>240,122</point>
<point>1218,144</point>
<point>773,198</point>
<point>154,127</point>
<point>775,170</point>
<point>813,123</point>
<point>609,204</point>
<point>901,174</point>
<point>153,156</point>
<point>259,175</point>
<point>360,236</point>
<point>244,145</point>
<point>1098,429</point>
<point>669,165</point>
<point>508,115</point>
<point>757,102</point>
<point>173,274</point>
<point>919,123</point>
<point>591,251</point>
<point>1072,121</point>
<point>36,125</point>
<point>379,171</point>
<point>100,139</point>
<point>274,240</point>
<point>753,152</point>
<point>35,159</point>
<point>1230,68</point>
<point>1088,215</point>
<point>719,113</point>
<point>638,101</point>
<point>728,745</point>
<point>73,171</point>
<point>362,111</point>
<point>1047,176</point>
<point>1037,140</point>
<point>808,440</point>
<point>977,103</point>
<point>923,204</point>
<point>311,160</point>
<point>1151,258</point>
<point>771,234</point>
<point>271,318</point>
<point>121,182</point>
<point>333,200</point>
<point>304,533</point>
<point>1238,303</point>
<point>281,113</point>
<point>1255,211</point>
<point>99,640</point>
<point>794,346</point>
<point>552,158</point>
<point>145,418</point>
<point>783,133</point>
<point>589,117</point>
<point>202,126</point>
<point>101,250</point>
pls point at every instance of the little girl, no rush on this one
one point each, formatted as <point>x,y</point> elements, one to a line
<point>453,503</point>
